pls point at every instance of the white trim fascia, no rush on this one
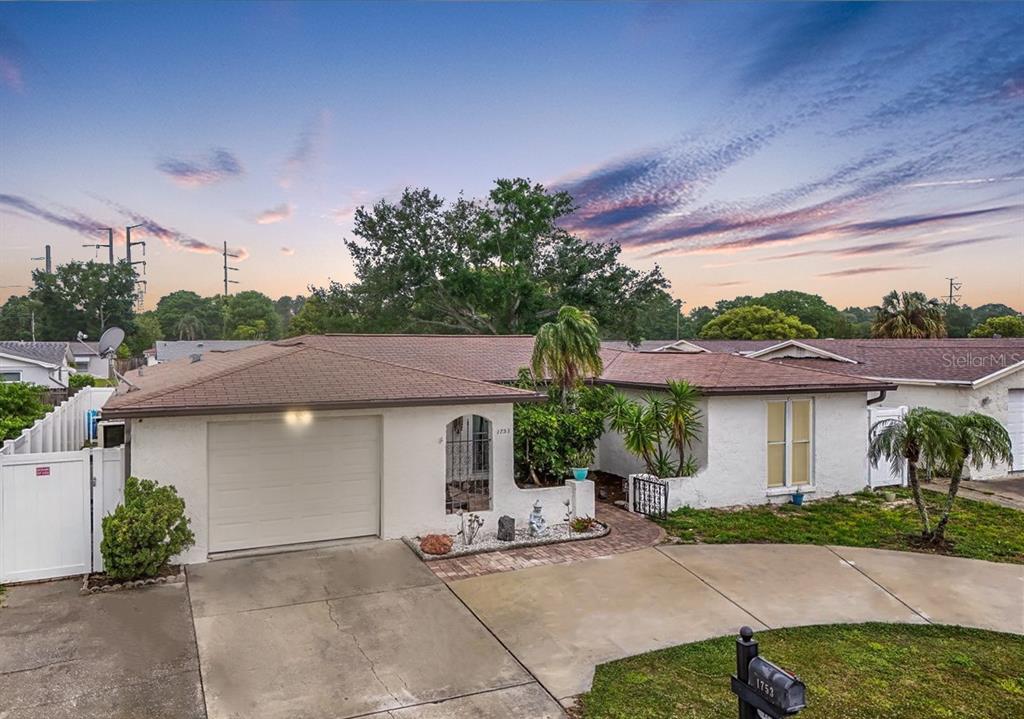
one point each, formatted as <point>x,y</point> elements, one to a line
<point>757,354</point>
<point>21,358</point>
<point>678,346</point>
<point>925,382</point>
<point>998,374</point>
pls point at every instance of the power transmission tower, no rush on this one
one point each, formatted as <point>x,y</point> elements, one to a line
<point>954,288</point>
<point>226,255</point>
<point>49,260</point>
<point>128,245</point>
<point>109,244</point>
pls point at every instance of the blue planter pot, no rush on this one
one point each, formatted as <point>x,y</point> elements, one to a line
<point>579,473</point>
<point>797,499</point>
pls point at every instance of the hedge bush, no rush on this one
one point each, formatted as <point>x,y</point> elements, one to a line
<point>145,531</point>
<point>21,405</point>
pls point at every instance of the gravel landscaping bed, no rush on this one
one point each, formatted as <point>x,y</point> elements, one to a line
<point>490,543</point>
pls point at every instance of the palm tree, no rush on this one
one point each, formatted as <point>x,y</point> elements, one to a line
<point>189,326</point>
<point>637,427</point>
<point>909,315</point>
<point>925,439</point>
<point>568,349</point>
<point>683,417</point>
<point>980,439</point>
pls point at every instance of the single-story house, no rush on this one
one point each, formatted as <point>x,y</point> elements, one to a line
<point>88,360</point>
<point>324,437</point>
<point>170,350</point>
<point>48,364</point>
<point>956,375</point>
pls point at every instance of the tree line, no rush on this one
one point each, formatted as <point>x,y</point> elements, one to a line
<point>499,265</point>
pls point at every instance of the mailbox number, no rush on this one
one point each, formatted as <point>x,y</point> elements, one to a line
<point>765,688</point>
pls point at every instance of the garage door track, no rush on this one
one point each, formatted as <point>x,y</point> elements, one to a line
<point>360,630</point>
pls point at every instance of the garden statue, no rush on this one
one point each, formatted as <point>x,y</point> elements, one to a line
<point>470,526</point>
<point>538,527</point>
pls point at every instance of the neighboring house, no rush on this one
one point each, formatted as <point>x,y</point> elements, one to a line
<point>324,437</point>
<point>87,359</point>
<point>48,364</point>
<point>170,350</point>
<point>957,375</point>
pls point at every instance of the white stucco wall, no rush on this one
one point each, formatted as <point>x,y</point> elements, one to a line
<point>33,373</point>
<point>736,469</point>
<point>991,399</point>
<point>612,456</point>
<point>173,450</point>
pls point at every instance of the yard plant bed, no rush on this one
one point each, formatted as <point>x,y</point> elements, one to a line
<point>977,530</point>
<point>490,543</point>
<point>867,671</point>
<point>100,582</point>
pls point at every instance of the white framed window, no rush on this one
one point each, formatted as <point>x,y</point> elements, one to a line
<point>10,376</point>
<point>790,443</point>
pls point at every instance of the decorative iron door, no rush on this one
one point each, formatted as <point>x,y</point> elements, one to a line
<point>650,496</point>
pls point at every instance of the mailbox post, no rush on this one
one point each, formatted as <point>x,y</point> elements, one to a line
<point>764,689</point>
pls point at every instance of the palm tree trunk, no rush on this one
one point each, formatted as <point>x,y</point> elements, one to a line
<point>954,487</point>
<point>922,508</point>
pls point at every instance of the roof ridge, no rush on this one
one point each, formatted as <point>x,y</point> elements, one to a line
<point>415,369</point>
<point>807,369</point>
<point>216,375</point>
<point>408,334</point>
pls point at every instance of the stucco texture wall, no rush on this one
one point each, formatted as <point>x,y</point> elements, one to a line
<point>173,450</point>
<point>735,472</point>
<point>991,399</point>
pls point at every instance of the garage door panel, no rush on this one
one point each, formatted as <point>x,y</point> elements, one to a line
<point>274,483</point>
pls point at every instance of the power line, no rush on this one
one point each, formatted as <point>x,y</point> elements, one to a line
<point>226,255</point>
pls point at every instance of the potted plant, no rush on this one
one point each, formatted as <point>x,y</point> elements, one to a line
<point>580,461</point>
<point>797,498</point>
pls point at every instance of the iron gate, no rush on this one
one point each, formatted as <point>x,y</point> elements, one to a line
<point>650,496</point>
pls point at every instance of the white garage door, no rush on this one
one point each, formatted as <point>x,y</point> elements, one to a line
<point>1015,425</point>
<point>277,482</point>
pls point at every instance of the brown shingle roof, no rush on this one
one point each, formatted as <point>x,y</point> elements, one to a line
<point>294,374</point>
<point>716,373</point>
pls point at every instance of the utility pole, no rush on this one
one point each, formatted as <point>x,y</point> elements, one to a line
<point>49,260</point>
<point>109,244</point>
<point>954,288</point>
<point>679,314</point>
<point>226,255</point>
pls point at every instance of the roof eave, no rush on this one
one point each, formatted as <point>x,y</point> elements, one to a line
<point>771,389</point>
<point>143,412</point>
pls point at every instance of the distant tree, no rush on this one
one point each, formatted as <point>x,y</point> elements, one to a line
<point>205,316</point>
<point>695,321</point>
<point>909,315</point>
<point>335,308</point>
<point>251,315</point>
<point>993,309</point>
<point>287,307</point>
<point>1009,326</point>
<point>20,406</point>
<point>809,309</point>
<point>16,318</point>
<point>84,297</point>
<point>753,322</point>
<point>145,333</point>
<point>959,320</point>
<point>499,266</point>
<point>567,350</point>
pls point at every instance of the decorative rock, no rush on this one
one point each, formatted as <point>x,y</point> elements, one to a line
<point>436,544</point>
<point>506,528</point>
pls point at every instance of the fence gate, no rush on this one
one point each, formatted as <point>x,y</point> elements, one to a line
<point>649,495</point>
<point>51,505</point>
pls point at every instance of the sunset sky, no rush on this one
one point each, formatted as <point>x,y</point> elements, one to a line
<point>839,149</point>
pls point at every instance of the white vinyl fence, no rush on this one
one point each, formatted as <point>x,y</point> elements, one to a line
<point>51,508</point>
<point>64,429</point>
<point>881,475</point>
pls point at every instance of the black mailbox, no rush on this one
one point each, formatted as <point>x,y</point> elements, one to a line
<point>777,686</point>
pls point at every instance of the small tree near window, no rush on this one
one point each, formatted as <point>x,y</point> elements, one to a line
<point>145,531</point>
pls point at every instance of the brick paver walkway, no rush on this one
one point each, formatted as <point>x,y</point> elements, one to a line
<point>629,532</point>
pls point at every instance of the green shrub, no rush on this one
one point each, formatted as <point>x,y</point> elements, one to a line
<point>145,531</point>
<point>20,406</point>
<point>81,379</point>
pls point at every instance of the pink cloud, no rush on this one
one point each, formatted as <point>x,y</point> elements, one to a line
<point>275,214</point>
<point>287,251</point>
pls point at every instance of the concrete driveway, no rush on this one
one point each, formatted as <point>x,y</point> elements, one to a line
<point>358,630</point>
<point>563,620</point>
<point>122,655</point>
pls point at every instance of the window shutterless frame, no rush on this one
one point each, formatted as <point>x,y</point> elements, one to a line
<point>10,376</point>
<point>789,433</point>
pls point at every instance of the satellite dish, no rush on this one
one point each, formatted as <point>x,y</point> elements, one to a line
<point>110,341</point>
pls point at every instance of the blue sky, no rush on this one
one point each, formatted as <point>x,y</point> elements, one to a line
<point>839,149</point>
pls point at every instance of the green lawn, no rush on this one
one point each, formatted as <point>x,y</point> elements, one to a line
<point>978,530</point>
<point>862,671</point>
